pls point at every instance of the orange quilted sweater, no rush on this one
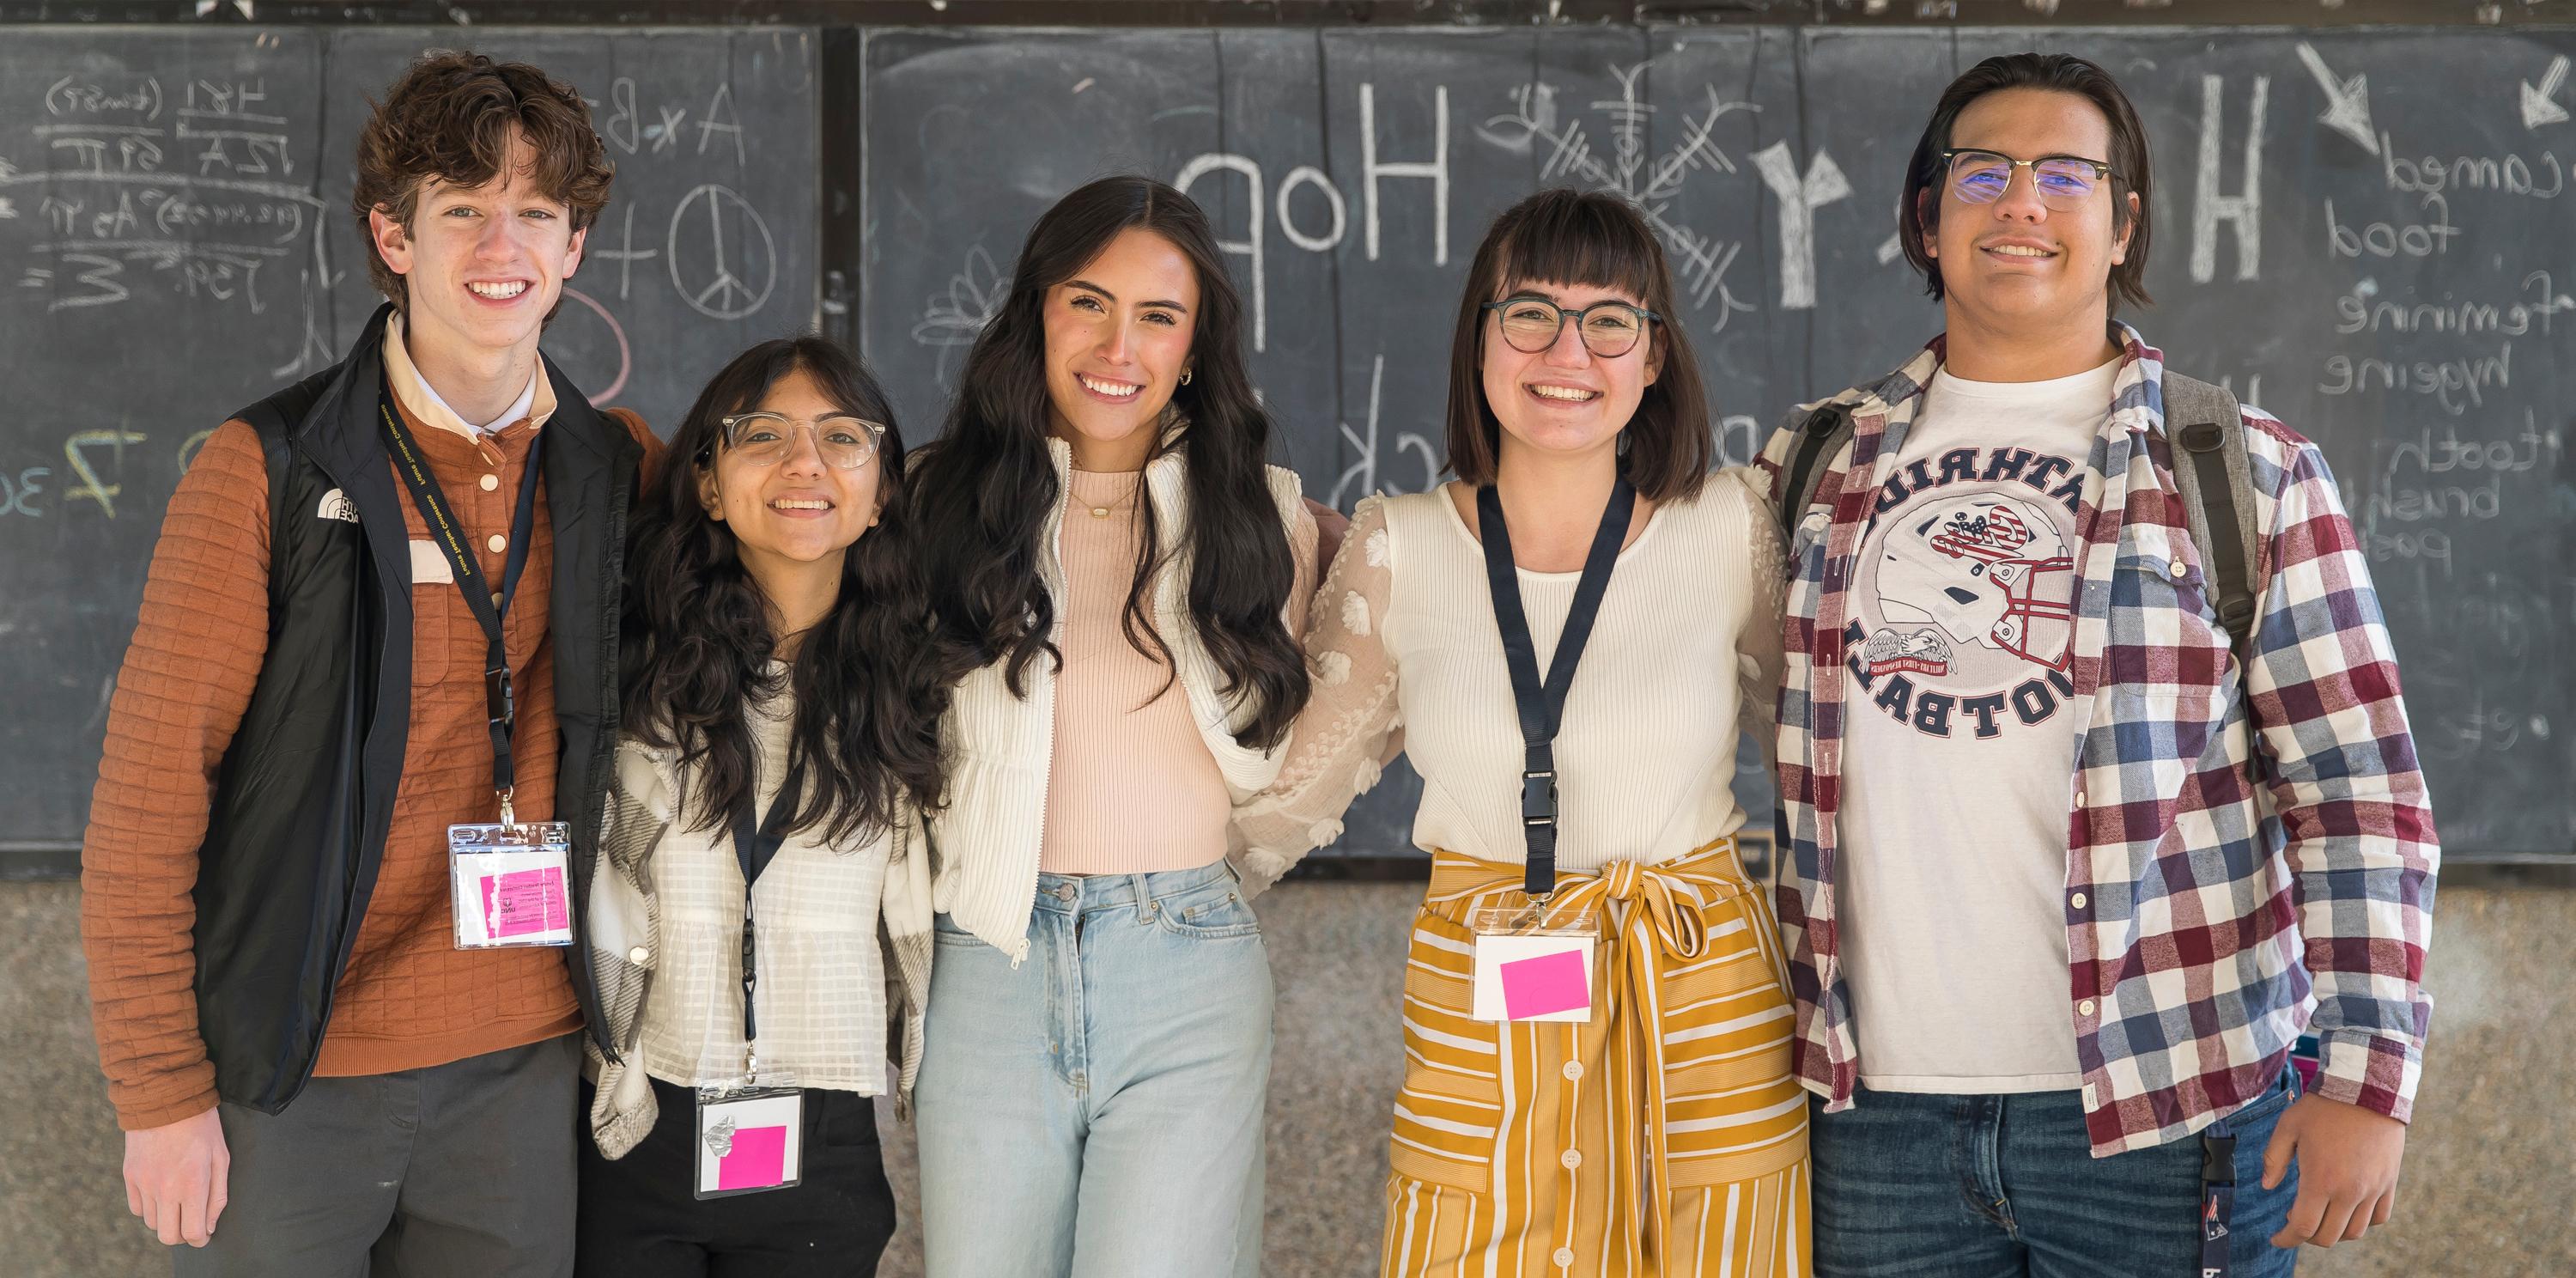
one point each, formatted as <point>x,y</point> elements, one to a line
<point>408,998</point>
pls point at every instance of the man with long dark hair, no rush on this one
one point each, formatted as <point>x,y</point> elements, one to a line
<point>2094,773</point>
<point>336,686</point>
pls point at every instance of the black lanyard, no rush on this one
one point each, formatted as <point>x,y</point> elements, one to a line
<point>2217,1197</point>
<point>489,607</point>
<point>1542,706</point>
<point>753,849</point>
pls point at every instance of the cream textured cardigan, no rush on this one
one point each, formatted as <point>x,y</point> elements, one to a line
<point>999,747</point>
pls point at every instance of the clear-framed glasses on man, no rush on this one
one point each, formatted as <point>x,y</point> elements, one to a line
<point>1608,329</point>
<point>844,441</point>
<point>2064,182</point>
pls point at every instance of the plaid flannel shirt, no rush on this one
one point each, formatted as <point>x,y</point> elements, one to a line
<point>2249,851</point>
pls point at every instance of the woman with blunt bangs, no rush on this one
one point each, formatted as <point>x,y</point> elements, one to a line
<point>1119,579</point>
<point>1567,642</point>
<point>782,731</point>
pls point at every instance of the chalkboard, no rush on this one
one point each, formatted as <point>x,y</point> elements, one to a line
<point>175,242</point>
<point>2367,232</point>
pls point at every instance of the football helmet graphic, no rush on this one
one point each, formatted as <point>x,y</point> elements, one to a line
<point>1985,569</point>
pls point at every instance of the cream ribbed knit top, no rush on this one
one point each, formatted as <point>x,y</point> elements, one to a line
<point>1684,656</point>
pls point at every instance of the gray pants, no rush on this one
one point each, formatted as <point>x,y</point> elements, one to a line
<point>455,1170</point>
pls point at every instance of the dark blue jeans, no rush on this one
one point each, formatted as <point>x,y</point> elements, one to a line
<point>1912,1186</point>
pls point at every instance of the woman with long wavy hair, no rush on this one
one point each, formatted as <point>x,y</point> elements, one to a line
<point>1119,579</point>
<point>781,713</point>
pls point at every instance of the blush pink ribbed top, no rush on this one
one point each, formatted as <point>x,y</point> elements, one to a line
<point>1132,788</point>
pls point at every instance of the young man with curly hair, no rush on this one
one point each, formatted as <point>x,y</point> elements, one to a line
<point>383,605</point>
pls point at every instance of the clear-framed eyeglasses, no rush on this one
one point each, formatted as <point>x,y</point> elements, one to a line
<point>1608,329</point>
<point>2064,182</point>
<point>844,441</point>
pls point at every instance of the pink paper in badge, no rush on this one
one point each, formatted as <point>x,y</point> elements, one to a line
<point>1548,983</point>
<point>524,901</point>
<point>758,1160</point>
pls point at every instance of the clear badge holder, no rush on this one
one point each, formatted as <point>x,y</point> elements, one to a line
<point>1534,963</point>
<point>751,1136</point>
<point>512,883</point>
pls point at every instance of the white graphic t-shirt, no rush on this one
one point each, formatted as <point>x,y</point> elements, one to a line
<point>1959,766</point>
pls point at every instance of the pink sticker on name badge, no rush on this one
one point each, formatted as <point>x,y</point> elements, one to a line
<point>1548,983</point>
<point>525,901</point>
<point>758,1160</point>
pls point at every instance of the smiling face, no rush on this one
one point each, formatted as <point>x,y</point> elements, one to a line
<point>1117,342</point>
<point>799,510</point>
<point>2016,265</point>
<point>481,266</point>
<point>1564,400</point>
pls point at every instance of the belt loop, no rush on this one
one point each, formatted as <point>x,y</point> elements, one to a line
<point>1143,886</point>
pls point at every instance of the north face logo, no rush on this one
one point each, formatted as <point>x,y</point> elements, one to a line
<point>336,505</point>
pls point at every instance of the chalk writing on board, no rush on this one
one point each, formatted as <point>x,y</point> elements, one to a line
<point>2347,100</point>
<point>16,492</point>
<point>2538,106</point>
<point>718,126</point>
<point>625,353</point>
<point>722,232</point>
<point>1435,170</point>
<point>625,255</point>
<point>90,488</point>
<point>1700,260</point>
<point>2211,205</point>
<point>1361,477</point>
<point>1253,244</point>
<point>1799,196</point>
<point>950,320</point>
<point>131,203</point>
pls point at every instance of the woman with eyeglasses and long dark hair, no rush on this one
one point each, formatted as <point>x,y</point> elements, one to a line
<point>1119,579</point>
<point>781,712</point>
<point>1569,640</point>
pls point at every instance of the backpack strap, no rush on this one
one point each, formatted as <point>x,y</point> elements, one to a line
<point>2216,481</point>
<point>1820,436</point>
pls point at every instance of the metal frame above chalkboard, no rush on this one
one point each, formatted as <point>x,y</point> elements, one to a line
<point>1276,13</point>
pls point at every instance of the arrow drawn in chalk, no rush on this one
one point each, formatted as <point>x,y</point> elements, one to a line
<point>2537,107</point>
<point>2347,101</point>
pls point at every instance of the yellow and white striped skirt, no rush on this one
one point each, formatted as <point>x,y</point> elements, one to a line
<point>1664,1138</point>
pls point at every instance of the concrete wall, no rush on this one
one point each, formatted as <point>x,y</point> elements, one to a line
<point>2490,1188</point>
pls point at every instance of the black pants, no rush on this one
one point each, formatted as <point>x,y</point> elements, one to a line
<point>641,1219</point>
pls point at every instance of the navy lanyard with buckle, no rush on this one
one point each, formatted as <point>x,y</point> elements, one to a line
<point>488,606</point>
<point>1542,706</point>
<point>753,849</point>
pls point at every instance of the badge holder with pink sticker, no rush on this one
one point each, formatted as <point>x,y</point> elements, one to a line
<point>750,1135</point>
<point>1533,963</point>
<point>509,883</point>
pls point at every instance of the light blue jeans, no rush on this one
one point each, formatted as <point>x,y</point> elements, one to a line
<point>1097,1113</point>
